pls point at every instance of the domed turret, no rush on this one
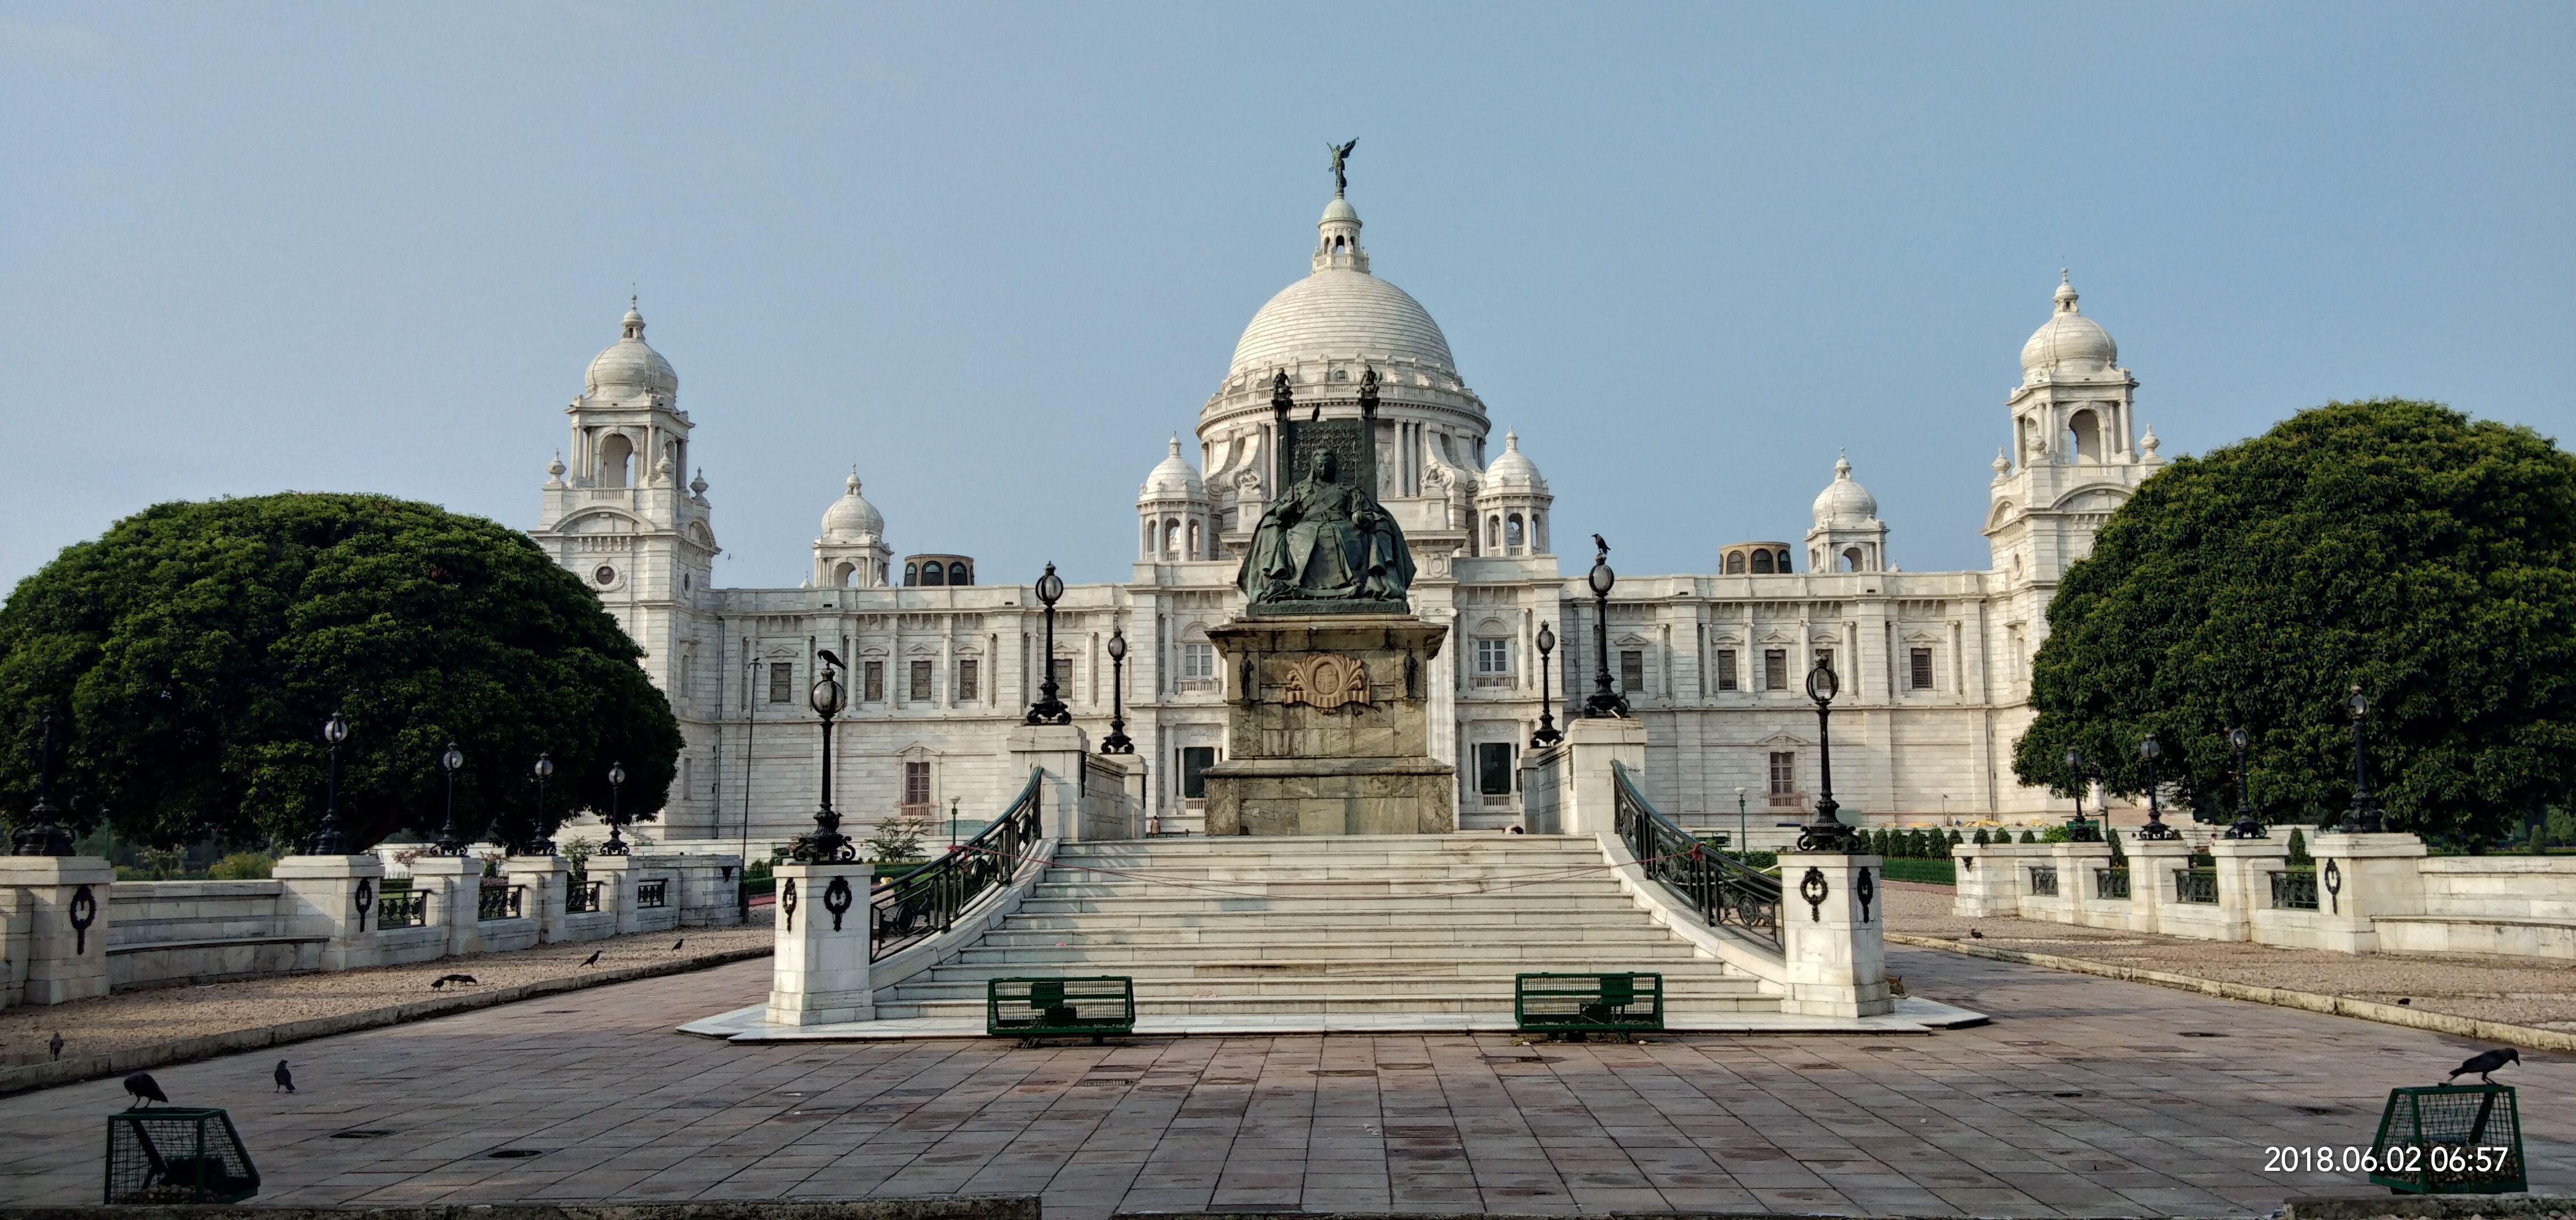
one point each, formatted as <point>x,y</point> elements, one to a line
<point>2068,342</point>
<point>851,518</point>
<point>1848,536</point>
<point>630,367</point>
<point>1177,519</point>
<point>1513,468</point>
<point>1843,502</point>
<point>1511,503</point>
<point>852,551</point>
<point>1174,477</point>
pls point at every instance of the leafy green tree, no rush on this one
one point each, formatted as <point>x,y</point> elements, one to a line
<point>2398,545</point>
<point>190,655</point>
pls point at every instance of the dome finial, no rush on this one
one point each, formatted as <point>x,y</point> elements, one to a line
<point>1842,465</point>
<point>2065,293</point>
<point>851,485</point>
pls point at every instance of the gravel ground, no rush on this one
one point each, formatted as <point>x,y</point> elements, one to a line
<point>2515,990</point>
<point>134,1018</point>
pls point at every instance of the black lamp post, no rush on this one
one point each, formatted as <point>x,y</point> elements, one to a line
<point>1547,734</point>
<point>2246,827</point>
<point>42,836</point>
<point>538,843</point>
<point>827,845</point>
<point>1827,833</point>
<point>2365,817</point>
<point>448,844</point>
<point>1605,700</point>
<point>1049,709</point>
<point>327,839</point>
<point>1116,742</point>
<point>2150,749</point>
<point>2079,829</point>
<point>616,844</point>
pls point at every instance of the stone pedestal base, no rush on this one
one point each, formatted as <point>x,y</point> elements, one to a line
<point>1327,731</point>
<point>65,949</point>
<point>320,895</point>
<point>820,973</point>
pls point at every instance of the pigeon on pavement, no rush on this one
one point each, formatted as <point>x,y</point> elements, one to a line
<point>2483,1064</point>
<point>140,1085</point>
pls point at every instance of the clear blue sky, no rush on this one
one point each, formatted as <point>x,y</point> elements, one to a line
<point>995,254</point>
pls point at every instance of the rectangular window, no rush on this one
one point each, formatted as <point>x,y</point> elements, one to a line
<point>966,682</point>
<point>1195,760</point>
<point>1726,669</point>
<point>919,690</point>
<point>1784,773</point>
<point>872,688</point>
<point>1775,669</point>
<point>916,783</point>
<point>1632,672</point>
<point>782,682</point>
<point>1921,659</point>
<point>1198,660</point>
<point>1064,677</point>
<point>1493,656</point>
<point>1494,768</point>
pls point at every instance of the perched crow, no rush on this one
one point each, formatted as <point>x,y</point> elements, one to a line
<point>675,945</point>
<point>144,1091</point>
<point>56,1046</point>
<point>829,659</point>
<point>1974,934</point>
<point>285,1079</point>
<point>445,979</point>
<point>591,960</point>
<point>1599,545</point>
<point>2480,1064</point>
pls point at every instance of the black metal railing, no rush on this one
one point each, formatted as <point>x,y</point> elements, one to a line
<point>2111,883</point>
<point>925,901</point>
<point>401,909</point>
<point>2196,885</point>
<point>496,902</point>
<point>1726,892</point>
<point>2295,889</point>
<point>650,894</point>
<point>581,896</point>
<point>2043,880</point>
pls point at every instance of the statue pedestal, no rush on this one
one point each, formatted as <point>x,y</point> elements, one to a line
<point>1327,728</point>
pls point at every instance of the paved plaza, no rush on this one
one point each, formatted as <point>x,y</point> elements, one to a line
<point>2085,1097</point>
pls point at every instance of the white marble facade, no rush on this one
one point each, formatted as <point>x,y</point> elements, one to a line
<point>1935,664</point>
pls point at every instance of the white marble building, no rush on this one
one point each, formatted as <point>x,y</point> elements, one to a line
<point>1935,664</point>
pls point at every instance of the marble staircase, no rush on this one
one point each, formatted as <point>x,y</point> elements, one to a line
<point>1250,926</point>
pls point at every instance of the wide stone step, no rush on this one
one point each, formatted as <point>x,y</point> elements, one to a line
<point>1542,909</point>
<point>1281,941</point>
<point>1363,888</point>
<point>1308,871</point>
<point>1379,959</point>
<point>1332,922</point>
<point>1459,1002</point>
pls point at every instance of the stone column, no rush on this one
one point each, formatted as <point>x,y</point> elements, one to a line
<point>706,884</point>
<point>1589,804</point>
<point>66,899</point>
<point>2151,879</point>
<point>2244,883</point>
<point>1833,932</point>
<point>617,896</point>
<point>547,880</point>
<point>458,881</point>
<point>819,975</point>
<point>2362,878</point>
<point>2075,864</point>
<point>1056,749</point>
<point>321,896</point>
<point>1989,881</point>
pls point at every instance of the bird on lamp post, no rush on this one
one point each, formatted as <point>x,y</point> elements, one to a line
<point>1827,833</point>
<point>1049,709</point>
<point>1117,741</point>
<point>1547,734</point>
<point>2149,749</point>
<point>1606,701</point>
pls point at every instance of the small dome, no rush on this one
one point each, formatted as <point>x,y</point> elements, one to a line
<point>851,518</point>
<point>1513,471</point>
<point>632,366</point>
<point>1843,503</point>
<point>1173,478</point>
<point>1339,209</point>
<point>2069,340</point>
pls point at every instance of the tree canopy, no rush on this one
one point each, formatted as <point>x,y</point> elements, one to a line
<point>190,655</point>
<point>2396,545</point>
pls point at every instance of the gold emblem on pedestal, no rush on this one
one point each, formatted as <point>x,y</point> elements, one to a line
<point>1329,682</point>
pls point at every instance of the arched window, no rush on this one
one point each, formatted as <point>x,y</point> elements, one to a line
<point>1512,538</point>
<point>1494,534</point>
<point>1171,537</point>
<point>1735,563</point>
<point>933,574</point>
<point>1538,533</point>
<point>2087,430</point>
<point>846,575</point>
<point>1761,563</point>
<point>911,574</point>
<point>1194,541</point>
<point>957,574</point>
<point>1784,563</point>
<point>1851,561</point>
<point>616,457</point>
<point>1147,546</point>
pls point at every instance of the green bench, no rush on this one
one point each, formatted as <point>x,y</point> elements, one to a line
<point>1557,1004</point>
<point>1033,1008</point>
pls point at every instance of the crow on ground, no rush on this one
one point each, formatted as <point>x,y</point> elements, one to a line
<point>285,1079</point>
<point>1974,934</point>
<point>2482,1064</point>
<point>591,960</point>
<point>56,1045</point>
<point>2405,1000</point>
<point>140,1085</point>
<point>445,979</point>
<point>675,945</point>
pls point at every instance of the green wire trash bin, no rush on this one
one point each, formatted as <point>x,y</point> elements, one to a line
<point>2450,1140</point>
<point>168,1154</point>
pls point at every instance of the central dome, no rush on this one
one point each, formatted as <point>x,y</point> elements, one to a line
<point>1337,313</point>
